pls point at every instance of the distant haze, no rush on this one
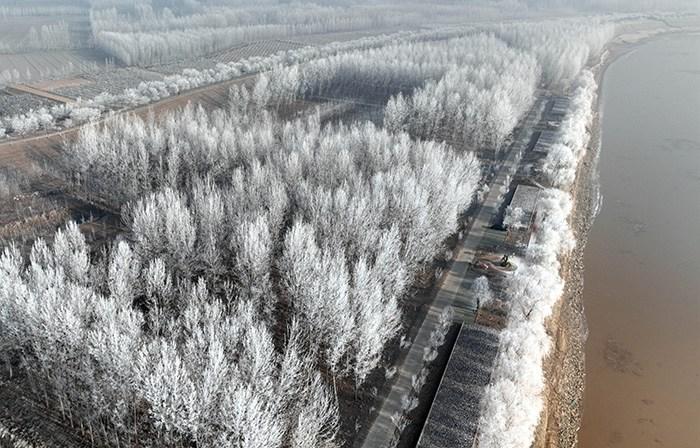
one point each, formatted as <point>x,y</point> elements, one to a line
<point>503,5</point>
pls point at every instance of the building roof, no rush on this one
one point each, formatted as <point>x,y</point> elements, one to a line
<point>560,106</point>
<point>525,198</point>
<point>455,412</point>
<point>545,141</point>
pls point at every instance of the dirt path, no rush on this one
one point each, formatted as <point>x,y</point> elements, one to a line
<point>24,88</point>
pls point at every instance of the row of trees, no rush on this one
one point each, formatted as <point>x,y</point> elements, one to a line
<point>53,36</point>
<point>41,9</point>
<point>143,17</point>
<point>46,119</point>
<point>559,167</point>
<point>50,37</point>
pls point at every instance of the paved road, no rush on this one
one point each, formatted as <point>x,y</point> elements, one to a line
<point>454,291</point>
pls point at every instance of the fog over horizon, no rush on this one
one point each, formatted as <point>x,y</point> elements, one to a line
<point>506,6</point>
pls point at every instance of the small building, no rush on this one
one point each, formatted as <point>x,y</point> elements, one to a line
<point>520,215</point>
<point>560,106</point>
<point>454,415</point>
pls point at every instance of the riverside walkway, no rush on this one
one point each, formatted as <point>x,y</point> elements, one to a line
<point>454,290</point>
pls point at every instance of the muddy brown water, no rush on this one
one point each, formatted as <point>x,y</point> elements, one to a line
<point>642,278</point>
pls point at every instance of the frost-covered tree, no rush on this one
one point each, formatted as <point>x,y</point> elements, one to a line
<point>559,167</point>
<point>208,372</point>
<point>482,291</point>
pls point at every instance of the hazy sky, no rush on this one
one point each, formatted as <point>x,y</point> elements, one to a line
<point>583,5</point>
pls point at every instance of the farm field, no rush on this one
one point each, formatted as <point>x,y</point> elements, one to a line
<point>12,104</point>
<point>254,49</point>
<point>113,80</point>
<point>41,65</point>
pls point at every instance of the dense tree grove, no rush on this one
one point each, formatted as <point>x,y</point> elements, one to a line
<point>562,47</point>
<point>125,346</point>
<point>481,104</point>
<point>405,65</point>
<point>471,89</point>
<point>478,103</point>
<point>263,261</point>
<point>348,182</point>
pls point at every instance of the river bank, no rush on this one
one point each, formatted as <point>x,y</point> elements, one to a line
<point>641,301</point>
<point>565,367</point>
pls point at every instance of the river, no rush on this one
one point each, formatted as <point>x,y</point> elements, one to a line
<point>642,278</point>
